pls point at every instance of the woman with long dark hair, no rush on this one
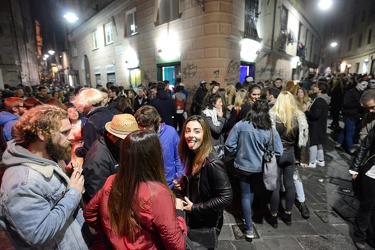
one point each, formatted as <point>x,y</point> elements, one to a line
<point>247,143</point>
<point>215,117</point>
<point>253,95</point>
<point>208,190</point>
<point>135,209</point>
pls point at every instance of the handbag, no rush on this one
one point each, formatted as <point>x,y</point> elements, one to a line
<point>270,165</point>
<point>206,236</point>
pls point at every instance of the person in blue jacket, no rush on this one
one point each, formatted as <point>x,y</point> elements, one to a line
<point>14,109</point>
<point>148,118</point>
<point>247,143</point>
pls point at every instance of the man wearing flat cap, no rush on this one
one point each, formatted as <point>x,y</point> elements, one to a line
<point>102,159</point>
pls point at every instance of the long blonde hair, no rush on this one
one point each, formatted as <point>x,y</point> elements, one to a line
<point>231,92</point>
<point>240,98</point>
<point>286,108</point>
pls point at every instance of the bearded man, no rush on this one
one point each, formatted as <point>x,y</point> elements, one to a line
<point>39,202</point>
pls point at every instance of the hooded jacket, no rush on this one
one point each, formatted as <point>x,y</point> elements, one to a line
<point>7,120</point>
<point>165,106</point>
<point>38,210</point>
<point>169,140</point>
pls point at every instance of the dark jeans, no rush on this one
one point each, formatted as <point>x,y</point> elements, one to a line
<point>179,122</point>
<point>347,133</point>
<point>286,170</point>
<point>366,207</point>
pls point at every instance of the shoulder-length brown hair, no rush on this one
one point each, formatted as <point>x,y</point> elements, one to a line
<point>141,161</point>
<point>194,160</point>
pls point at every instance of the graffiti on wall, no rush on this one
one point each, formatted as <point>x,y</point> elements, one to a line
<point>271,72</point>
<point>216,73</point>
<point>190,71</point>
<point>149,74</point>
<point>233,71</point>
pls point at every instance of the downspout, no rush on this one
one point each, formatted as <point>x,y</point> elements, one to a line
<point>273,26</point>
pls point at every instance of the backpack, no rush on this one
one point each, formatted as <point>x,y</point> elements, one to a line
<point>180,105</point>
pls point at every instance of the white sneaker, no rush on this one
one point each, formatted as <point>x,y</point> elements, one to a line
<point>320,163</point>
<point>250,234</point>
<point>312,165</point>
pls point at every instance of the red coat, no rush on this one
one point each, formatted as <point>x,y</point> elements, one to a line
<point>158,216</point>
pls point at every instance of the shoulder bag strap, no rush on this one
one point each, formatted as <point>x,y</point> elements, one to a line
<point>273,141</point>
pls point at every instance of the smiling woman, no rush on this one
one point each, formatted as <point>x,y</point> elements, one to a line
<point>208,190</point>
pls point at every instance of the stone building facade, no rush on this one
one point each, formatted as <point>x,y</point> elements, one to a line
<point>18,53</point>
<point>137,42</point>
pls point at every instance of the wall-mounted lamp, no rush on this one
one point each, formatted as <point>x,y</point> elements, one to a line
<point>333,44</point>
<point>71,17</point>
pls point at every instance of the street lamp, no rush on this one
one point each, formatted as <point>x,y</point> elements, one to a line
<point>325,4</point>
<point>71,17</point>
<point>333,44</point>
<point>51,52</point>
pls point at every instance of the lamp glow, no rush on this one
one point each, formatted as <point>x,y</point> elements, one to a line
<point>71,17</point>
<point>333,44</point>
<point>325,4</point>
<point>51,52</point>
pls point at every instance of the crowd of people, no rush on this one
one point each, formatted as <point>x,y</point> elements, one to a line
<point>111,168</point>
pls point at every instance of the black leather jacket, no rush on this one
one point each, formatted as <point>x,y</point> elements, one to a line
<point>368,144</point>
<point>214,193</point>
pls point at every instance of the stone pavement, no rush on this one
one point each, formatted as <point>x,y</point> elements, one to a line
<point>332,205</point>
<point>329,197</point>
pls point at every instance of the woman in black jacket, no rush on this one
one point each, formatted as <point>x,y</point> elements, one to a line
<point>207,190</point>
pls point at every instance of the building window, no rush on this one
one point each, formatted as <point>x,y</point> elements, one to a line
<point>95,39</point>
<point>167,10</point>
<point>98,79</point>
<point>350,44</point>
<point>360,41</point>
<point>111,77</point>
<point>108,33</point>
<point>131,27</point>
<point>369,36</point>
<point>356,69</point>
<point>251,19</point>
<point>283,27</point>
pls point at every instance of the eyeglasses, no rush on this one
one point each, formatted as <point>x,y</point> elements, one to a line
<point>20,106</point>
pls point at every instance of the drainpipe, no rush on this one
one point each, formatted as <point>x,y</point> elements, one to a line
<point>273,25</point>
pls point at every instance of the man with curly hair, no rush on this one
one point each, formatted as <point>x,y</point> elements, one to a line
<point>39,202</point>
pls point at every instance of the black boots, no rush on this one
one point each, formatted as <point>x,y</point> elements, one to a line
<point>272,220</point>
<point>286,218</point>
<point>304,210</point>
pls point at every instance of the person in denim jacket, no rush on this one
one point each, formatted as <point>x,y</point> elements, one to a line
<point>247,143</point>
<point>38,202</point>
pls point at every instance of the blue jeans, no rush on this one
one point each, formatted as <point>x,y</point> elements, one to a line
<point>300,193</point>
<point>347,133</point>
<point>248,185</point>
